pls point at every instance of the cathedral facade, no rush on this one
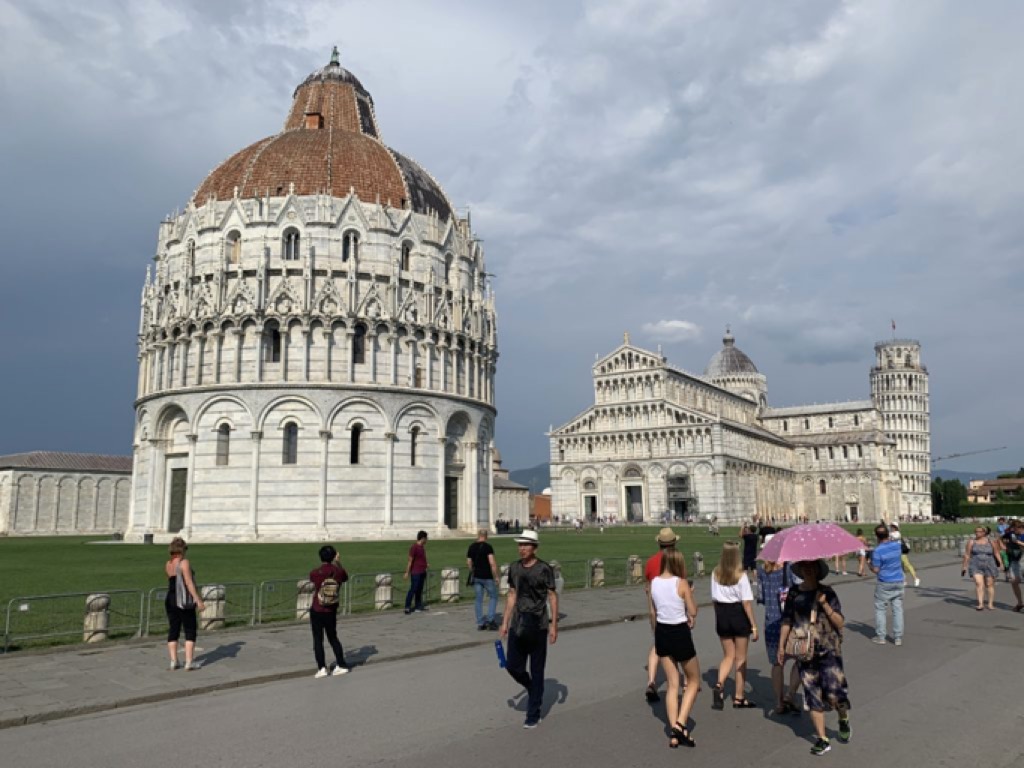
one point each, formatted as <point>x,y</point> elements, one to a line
<point>317,344</point>
<point>660,443</point>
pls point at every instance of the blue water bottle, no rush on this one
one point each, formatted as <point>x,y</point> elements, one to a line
<point>500,650</point>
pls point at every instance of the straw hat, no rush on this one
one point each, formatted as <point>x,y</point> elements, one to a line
<point>666,537</point>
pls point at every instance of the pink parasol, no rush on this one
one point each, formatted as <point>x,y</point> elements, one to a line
<point>810,542</point>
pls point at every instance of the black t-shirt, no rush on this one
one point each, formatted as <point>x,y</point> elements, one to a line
<point>1014,549</point>
<point>532,586</point>
<point>749,547</point>
<point>479,552</point>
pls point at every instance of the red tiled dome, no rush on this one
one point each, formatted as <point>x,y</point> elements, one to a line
<point>330,143</point>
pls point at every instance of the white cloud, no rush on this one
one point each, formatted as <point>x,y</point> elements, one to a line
<point>672,330</point>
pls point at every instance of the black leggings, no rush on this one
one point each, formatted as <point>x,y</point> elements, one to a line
<point>178,618</point>
<point>325,622</point>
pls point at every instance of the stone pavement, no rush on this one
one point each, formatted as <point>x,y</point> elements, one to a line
<point>48,685</point>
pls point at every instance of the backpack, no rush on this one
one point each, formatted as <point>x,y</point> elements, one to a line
<point>328,593</point>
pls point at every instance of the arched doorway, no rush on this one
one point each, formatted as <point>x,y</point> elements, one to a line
<point>681,502</point>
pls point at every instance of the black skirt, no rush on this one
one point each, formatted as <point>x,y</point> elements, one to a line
<point>731,620</point>
<point>674,640</point>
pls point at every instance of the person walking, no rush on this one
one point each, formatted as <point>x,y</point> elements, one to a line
<point>734,623</point>
<point>981,562</point>
<point>530,622</point>
<point>862,554</point>
<point>822,676</point>
<point>748,533</point>
<point>908,567</point>
<point>416,573</point>
<point>1013,545</point>
<point>667,540</point>
<point>323,614</point>
<point>673,613</point>
<point>773,585</point>
<point>181,603</point>
<point>483,572</point>
<point>887,564</point>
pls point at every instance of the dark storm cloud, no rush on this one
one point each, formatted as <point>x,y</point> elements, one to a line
<point>806,171</point>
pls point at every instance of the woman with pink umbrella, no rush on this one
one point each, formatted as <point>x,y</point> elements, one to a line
<point>813,610</point>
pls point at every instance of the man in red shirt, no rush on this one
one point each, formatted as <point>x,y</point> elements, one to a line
<point>323,615</point>
<point>666,542</point>
<point>416,573</point>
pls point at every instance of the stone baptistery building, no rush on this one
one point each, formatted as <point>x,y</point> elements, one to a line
<point>660,443</point>
<point>317,343</point>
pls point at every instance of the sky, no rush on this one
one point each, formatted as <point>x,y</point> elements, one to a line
<point>805,172</point>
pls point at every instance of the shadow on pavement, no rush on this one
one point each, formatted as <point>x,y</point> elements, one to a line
<point>228,651</point>
<point>360,656</point>
<point>554,693</point>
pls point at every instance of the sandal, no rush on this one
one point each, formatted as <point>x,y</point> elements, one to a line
<point>719,698</point>
<point>787,707</point>
<point>652,694</point>
<point>680,735</point>
<point>743,704</point>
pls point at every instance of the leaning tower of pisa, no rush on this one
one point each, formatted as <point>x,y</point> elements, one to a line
<point>899,387</point>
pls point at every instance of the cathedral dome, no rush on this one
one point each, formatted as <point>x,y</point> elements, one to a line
<point>330,144</point>
<point>729,360</point>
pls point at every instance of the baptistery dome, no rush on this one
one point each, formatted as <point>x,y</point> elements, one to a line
<point>330,143</point>
<point>317,343</point>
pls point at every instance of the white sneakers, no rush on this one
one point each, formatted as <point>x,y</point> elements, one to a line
<point>917,582</point>
<point>336,672</point>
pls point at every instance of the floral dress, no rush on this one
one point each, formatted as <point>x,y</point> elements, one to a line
<point>823,677</point>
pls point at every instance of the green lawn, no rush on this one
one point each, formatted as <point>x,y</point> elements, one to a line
<point>40,566</point>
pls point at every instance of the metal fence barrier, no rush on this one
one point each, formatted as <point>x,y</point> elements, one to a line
<point>42,617</point>
<point>138,613</point>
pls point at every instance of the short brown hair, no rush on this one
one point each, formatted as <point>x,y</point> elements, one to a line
<point>178,546</point>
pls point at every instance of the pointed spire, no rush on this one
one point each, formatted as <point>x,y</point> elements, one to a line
<point>625,337</point>
<point>334,57</point>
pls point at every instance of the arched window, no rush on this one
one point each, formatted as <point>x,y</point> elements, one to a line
<point>272,345</point>
<point>846,454</point>
<point>856,421</point>
<point>359,345</point>
<point>290,244</point>
<point>822,488</point>
<point>190,256</point>
<point>816,455</point>
<point>290,444</point>
<point>234,243</point>
<point>350,245</point>
<point>223,444</point>
<point>406,256</point>
<point>860,452</point>
<point>353,444</point>
<point>831,422</point>
<point>807,423</point>
<point>413,435</point>
<point>447,267</point>
<point>831,453</point>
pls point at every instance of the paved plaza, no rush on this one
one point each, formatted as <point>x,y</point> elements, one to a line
<point>428,687</point>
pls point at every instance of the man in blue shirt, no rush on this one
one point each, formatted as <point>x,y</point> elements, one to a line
<point>887,562</point>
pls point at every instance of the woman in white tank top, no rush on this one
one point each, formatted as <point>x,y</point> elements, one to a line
<point>673,612</point>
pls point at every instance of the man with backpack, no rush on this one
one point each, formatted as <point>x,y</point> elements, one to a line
<point>323,616</point>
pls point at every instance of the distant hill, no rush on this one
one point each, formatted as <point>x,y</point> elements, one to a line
<point>964,477</point>
<point>535,478</point>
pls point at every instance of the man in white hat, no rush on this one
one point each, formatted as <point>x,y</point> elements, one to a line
<point>527,624</point>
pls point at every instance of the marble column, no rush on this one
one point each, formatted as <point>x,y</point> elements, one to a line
<point>189,485</point>
<point>321,517</point>
<point>254,484</point>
